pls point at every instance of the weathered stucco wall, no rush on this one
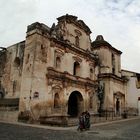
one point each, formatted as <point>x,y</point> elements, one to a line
<point>11,77</point>
<point>132,92</point>
<point>56,66</point>
<point>44,76</point>
<point>113,87</point>
<point>72,32</point>
<point>105,58</point>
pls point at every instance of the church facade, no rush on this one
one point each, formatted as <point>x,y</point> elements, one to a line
<point>58,72</point>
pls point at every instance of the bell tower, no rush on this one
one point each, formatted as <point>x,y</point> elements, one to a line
<point>109,57</point>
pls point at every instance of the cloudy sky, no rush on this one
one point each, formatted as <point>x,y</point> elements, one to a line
<point>117,20</point>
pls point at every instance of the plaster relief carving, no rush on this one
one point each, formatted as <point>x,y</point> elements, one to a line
<point>27,58</point>
<point>43,53</point>
<point>92,64</point>
<point>76,58</point>
<point>52,44</point>
<point>56,88</point>
<point>55,84</point>
<point>59,52</point>
<point>77,32</point>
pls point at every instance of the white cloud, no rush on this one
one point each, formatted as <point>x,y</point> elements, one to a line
<point>117,20</point>
<point>15,16</point>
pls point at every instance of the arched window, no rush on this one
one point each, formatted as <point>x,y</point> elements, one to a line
<point>77,41</point>
<point>91,73</point>
<point>56,100</point>
<point>76,68</point>
<point>58,62</point>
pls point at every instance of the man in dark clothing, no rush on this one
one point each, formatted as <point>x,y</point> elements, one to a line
<point>87,120</point>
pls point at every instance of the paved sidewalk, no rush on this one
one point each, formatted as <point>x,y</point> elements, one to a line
<point>67,128</point>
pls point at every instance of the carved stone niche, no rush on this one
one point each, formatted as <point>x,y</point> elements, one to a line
<point>92,64</point>
<point>92,69</point>
<point>52,44</point>
<point>76,58</point>
<point>90,90</point>
<point>58,59</point>
<point>56,88</point>
<point>43,53</point>
<point>118,95</point>
<point>59,53</point>
<point>53,82</point>
<point>77,32</point>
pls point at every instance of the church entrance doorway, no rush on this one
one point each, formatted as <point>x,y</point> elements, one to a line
<point>75,104</point>
<point>117,105</point>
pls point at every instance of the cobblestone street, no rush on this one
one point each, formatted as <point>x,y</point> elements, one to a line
<point>122,130</point>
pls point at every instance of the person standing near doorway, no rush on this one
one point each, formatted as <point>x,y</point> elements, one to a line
<point>87,120</point>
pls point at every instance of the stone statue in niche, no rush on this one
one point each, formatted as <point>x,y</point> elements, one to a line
<point>100,95</point>
<point>43,53</point>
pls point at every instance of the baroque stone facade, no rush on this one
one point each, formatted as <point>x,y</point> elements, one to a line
<point>58,72</point>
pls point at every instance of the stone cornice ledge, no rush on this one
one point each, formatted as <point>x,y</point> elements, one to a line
<point>66,77</point>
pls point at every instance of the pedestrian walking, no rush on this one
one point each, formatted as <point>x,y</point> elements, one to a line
<point>87,120</point>
<point>81,124</point>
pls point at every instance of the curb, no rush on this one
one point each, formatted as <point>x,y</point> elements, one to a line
<point>66,128</point>
<point>116,121</point>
